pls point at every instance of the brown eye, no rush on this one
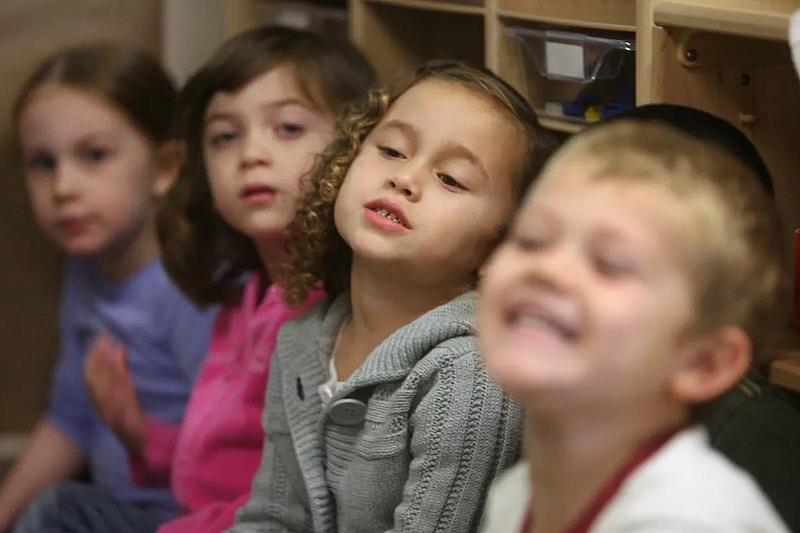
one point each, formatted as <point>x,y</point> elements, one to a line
<point>450,181</point>
<point>96,155</point>
<point>390,152</point>
<point>288,130</point>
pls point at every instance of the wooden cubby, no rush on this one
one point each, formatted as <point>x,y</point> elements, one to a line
<point>406,33</point>
<point>398,35</point>
<point>727,57</point>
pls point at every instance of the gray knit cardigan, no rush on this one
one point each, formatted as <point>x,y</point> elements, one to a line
<point>436,432</point>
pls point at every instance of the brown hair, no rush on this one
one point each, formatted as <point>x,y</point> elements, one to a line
<point>130,80</point>
<point>738,255</point>
<point>316,251</point>
<point>205,255</point>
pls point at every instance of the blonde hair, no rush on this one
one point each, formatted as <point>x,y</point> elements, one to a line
<point>316,251</point>
<point>738,259</point>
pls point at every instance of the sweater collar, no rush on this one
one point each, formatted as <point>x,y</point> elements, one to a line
<point>397,354</point>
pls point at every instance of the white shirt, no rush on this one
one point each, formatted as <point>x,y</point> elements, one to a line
<point>685,487</point>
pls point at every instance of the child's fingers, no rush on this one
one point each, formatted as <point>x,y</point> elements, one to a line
<point>101,343</point>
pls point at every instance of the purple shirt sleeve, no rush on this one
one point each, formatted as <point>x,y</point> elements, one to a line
<point>71,410</point>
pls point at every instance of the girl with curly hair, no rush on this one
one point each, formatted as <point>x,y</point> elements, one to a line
<point>254,118</point>
<point>381,415</point>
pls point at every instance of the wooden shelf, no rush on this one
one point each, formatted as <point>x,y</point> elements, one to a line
<point>510,16</point>
<point>428,5</point>
<point>618,15</point>
<point>771,25</point>
<point>559,124</point>
<point>785,371</point>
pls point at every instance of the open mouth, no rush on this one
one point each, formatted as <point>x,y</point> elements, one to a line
<point>544,320</point>
<point>389,212</point>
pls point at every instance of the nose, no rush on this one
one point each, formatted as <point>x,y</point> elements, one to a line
<point>257,150</point>
<point>66,181</point>
<point>557,267</point>
<point>406,183</point>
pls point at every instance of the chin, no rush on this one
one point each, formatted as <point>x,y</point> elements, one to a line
<point>85,249</point>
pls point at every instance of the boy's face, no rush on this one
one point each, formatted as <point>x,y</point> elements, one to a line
<point>586,300</point>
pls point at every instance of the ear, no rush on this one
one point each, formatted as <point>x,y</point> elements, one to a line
<point>712,365</point>
<point>169,160</point>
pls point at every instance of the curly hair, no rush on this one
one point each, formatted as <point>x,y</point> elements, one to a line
<point>205,255</point>
<point>317,253</point>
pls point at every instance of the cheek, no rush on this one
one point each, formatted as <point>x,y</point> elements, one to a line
<point>635,320</point>
<point>41,203</point>
<point>341,211</point>
<point>218,166</point>
<point>301,157</point>
<point>479,235</point>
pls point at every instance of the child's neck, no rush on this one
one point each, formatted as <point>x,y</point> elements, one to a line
<point>126,258</point>
<point>572,458</point>
<point>272,253</point>
<point>380,305</point>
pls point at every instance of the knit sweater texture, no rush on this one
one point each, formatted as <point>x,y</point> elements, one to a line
<point>435,433</point>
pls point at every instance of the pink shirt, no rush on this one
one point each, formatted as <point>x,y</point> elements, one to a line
<point>212,457</point>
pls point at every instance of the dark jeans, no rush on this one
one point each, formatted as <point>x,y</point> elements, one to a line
<point>78,507</point>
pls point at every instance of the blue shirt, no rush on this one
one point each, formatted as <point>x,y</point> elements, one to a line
<point>166,338</point>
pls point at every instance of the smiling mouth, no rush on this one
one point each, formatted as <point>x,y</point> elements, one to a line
<point>543,320</point>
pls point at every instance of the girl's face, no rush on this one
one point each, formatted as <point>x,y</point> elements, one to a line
<point>90,174</point>
<point>258,144</point>
<point>587,300</point>
<point>431,186</point>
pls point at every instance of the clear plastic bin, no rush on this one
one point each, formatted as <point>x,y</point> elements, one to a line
<point>330,21</point>
<point>568,56</point>
<point>575,76</point>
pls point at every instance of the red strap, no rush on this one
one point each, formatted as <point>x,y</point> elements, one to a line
<point>587,517</point>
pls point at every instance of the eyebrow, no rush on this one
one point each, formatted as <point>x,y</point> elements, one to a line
<point>99,135</point>
<point>225,115</point>
<point>405,127</point>
<point>452,150</point>
<point>461,151</point>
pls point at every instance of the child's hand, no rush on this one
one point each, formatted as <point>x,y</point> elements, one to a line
<point>111,388</point>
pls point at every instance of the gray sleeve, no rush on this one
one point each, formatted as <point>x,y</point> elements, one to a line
<point>465,431</point>
<point>277,503</point>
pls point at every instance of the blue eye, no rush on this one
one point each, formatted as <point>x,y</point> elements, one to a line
<point>219,140</point>
<point>290,131</point>
<point>42,162</point>
<point>390,152</point>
